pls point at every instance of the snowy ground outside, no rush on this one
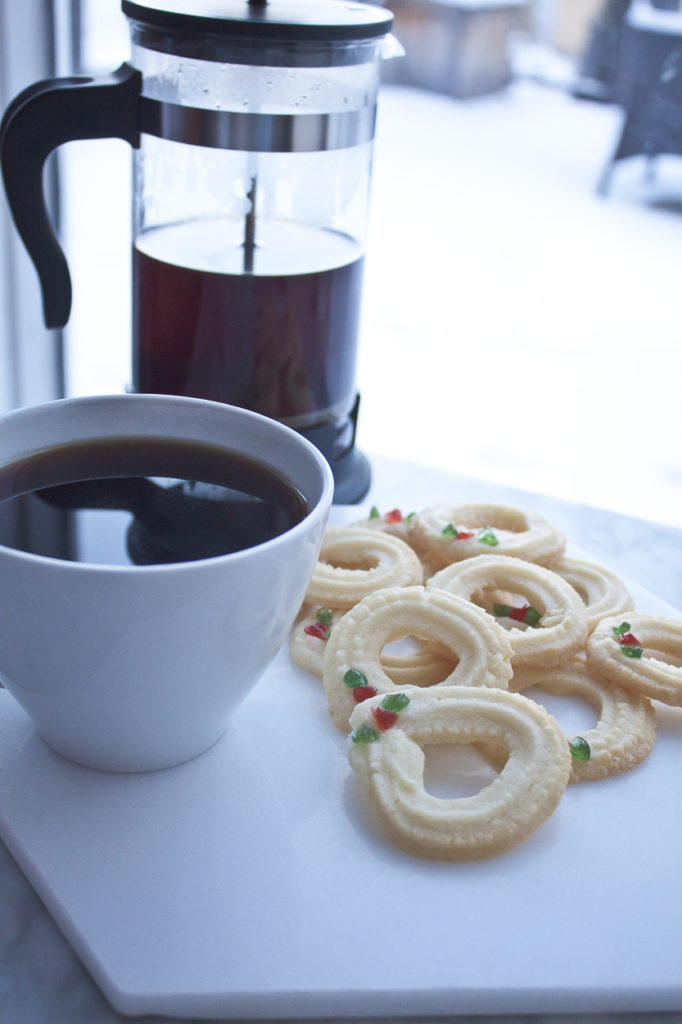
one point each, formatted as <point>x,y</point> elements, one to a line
<point>518,327</point>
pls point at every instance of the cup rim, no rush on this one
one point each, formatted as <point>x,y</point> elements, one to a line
<point>319,508</point>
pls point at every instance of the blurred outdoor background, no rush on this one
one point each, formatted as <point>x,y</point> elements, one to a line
<point>521,307</point>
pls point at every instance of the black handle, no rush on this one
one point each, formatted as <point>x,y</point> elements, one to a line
<point>38,120</point>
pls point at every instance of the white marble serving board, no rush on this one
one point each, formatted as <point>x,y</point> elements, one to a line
<point>249,882</point>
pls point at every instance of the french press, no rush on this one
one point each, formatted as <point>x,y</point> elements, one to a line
<point>252,127</point>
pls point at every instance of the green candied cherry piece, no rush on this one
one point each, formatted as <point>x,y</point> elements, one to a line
<point>486,536</point>
<point>374,513</point>
<point>580,749</point>
<point>620,630</point>
<point>410,516</point>
<point>501,611</point>
<point>365,734</point>
<point>631,652</point>
<point>354,677</point>
<point>395,702</point>
<point>448,531</point>
<point>325,616</point>
<point>532,617</point>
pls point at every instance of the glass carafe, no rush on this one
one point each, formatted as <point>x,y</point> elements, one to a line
<point>252,129</point>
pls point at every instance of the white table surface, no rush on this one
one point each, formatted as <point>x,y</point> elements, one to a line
<point>41,979</point>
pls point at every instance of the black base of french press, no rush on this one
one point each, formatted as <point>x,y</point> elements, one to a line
<point>352,477</point>
<point>350,468</point>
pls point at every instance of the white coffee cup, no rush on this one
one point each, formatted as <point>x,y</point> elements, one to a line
<point>133,668</point>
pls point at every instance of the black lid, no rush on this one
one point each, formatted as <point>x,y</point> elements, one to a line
<point>274,21</point>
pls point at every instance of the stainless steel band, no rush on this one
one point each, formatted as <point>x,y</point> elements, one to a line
<point>255,132</point>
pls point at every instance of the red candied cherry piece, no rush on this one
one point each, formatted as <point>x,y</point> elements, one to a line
<point>394,516</point>
<point>317,629</point>
<point>519,613</point>
<point>628,640</point>
<point>384,719</point>
<point>361,693</point>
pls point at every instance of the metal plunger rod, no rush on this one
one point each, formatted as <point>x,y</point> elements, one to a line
<point>250,219</point>
<point>250,227</point>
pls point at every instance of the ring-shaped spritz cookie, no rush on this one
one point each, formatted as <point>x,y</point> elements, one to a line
<point>353,668</point>
<point>354,562</point>
<point>451,533</point>
<point>549,627</point>
<point>425,665</point>
<point>602,591</point>
<point>625,729</point>
<point>385,750</point>
<point>642,654</point>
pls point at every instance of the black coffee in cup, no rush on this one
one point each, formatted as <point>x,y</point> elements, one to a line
<point>142,501</point>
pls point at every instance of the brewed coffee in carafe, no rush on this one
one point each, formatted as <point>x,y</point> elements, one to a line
<point>252,128</point>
